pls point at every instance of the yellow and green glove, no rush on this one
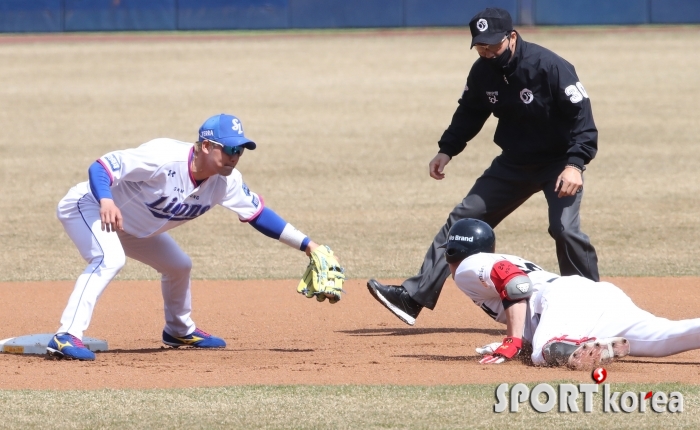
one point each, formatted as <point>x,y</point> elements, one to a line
<point>323,277</point>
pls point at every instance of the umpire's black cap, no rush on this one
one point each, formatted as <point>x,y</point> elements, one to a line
<point>490,26</point>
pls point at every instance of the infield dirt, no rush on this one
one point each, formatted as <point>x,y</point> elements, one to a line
<point>276,336</point>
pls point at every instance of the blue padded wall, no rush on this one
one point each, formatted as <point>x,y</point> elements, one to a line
<point>675,11</point>
<point>423,13</point>
<point>346,13</point>
<point>591,12</point>
<point>232,14</point>
<point>31,16</point>
<point>123,15</point>
<point>111,15</point>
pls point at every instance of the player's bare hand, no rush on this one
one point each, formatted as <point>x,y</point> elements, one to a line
<point>569,182</point>
<point>111,216</point>
<point>310,247</point>
<point>437,165</point>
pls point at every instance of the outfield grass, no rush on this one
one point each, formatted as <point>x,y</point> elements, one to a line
<point>346,124</point>
<point>309,407</point>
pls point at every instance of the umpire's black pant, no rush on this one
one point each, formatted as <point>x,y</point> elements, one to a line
<point>499,191</point>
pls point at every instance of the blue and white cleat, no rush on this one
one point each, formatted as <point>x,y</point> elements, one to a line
<point>64,345</point>
<point>198,339</point>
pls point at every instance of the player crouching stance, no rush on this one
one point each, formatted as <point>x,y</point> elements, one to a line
<point>568,320</point>
<point>134,196</point>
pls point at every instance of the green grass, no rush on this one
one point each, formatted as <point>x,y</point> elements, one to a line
<point>345,127</point>
<point>309,407</point>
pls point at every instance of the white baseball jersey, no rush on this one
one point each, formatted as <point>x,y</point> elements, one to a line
<point>473,277</point>
<point>153,187</point>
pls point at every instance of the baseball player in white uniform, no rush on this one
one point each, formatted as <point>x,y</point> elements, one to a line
<point>568,320</point>
<point>133,197</point>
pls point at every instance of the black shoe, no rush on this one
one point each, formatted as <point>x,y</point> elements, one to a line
<point>396,299</point>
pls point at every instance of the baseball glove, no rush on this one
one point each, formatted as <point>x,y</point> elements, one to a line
<point>323,277</point>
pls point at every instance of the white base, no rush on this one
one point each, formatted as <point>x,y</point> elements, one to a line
<point>37,343</point>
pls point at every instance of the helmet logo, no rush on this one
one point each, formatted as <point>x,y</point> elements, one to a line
<point>482,24</point>
<point>462,238</point>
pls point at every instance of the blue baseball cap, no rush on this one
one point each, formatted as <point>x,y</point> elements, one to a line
<point>226,130</point>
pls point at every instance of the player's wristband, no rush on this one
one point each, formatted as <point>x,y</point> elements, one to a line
<point>294,238</point>
<point>510,347</point>
<point>272,225</point>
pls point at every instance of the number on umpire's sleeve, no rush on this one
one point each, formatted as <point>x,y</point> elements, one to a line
<point>576,92</point>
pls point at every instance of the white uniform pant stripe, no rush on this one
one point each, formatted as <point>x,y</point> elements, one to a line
<point>104,256</point>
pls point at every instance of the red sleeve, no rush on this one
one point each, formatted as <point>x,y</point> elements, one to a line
<point>502,272</point>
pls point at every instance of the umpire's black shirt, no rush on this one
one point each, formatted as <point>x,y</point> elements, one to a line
<point>544,114</point>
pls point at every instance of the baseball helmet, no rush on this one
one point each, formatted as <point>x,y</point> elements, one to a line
<point>468,237</point>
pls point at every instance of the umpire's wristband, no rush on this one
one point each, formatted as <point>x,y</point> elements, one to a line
<point>577,167</point>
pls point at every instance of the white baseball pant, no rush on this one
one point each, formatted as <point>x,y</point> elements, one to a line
<point>106,253</point>
<point>579,307</point>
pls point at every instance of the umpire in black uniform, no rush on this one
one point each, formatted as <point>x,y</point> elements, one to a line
<point>547,134</point>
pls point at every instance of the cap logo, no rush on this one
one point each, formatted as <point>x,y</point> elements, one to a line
<point>207,133</point>
<point>237,126</point>
<point>482,25</point>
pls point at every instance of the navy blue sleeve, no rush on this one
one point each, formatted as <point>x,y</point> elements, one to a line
<point>99,181</point>
<point>269,223</point>
<point>467,121</point>
<point>272,225</point>
<point>576,112</point>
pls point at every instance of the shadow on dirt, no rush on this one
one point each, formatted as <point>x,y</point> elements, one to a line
<point>428,357</point>
<point>673,363</point>
<point>418,331</point>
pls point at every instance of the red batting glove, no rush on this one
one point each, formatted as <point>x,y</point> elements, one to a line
<point>510,347</point>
